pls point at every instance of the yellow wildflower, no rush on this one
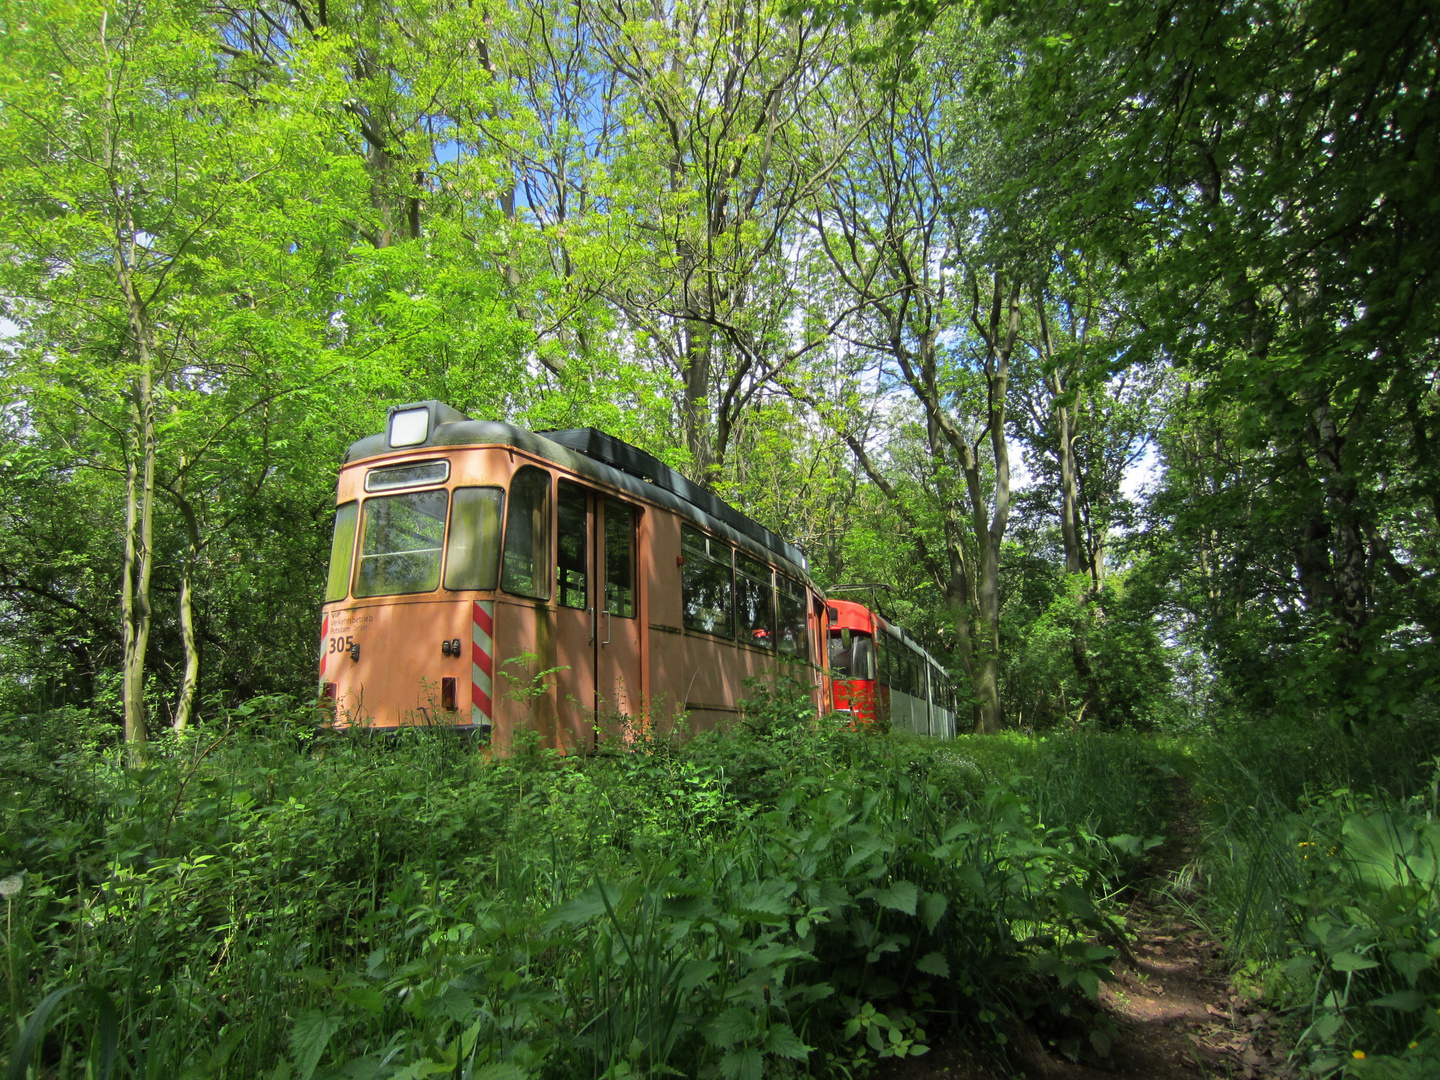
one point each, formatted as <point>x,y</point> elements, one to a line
<point>1358,1054</point>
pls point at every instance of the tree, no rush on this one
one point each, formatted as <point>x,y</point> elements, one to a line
<point>155,237</point>
<point>1271,161</point>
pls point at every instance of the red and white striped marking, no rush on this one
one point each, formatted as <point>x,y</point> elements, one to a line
<point>482,663</point>
<point>324,640</point>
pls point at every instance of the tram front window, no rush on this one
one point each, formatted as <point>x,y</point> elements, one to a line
<point>402,536</point>
<point>853,661</point>
<point>474,559</point>
<point>342,552</point>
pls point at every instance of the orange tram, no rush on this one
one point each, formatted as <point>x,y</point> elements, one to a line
<point>489,578</point>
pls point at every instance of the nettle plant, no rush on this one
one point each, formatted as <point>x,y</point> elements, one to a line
<point>782,899</point>
<point>822,937</point>
<point>1366,917</point>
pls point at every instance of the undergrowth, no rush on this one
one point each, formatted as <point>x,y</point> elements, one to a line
<point>1321,869</point>
<point>261,899</point>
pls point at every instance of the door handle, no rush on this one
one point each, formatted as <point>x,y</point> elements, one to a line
<point>607,628</point>
<point>592,624</point>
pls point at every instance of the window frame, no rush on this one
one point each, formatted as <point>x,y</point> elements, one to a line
<point>353,505</point>
<point>767,589</point>
<point>632,514</point>
<point>575,492</point>
<point>543,555</point>
<point>358,558</point>
<point>801,595</point>
<point>449,535</point>
<point>688,552</point>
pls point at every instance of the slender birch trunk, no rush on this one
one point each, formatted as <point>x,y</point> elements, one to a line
<point>190,680</point>
<point>140,457</point>
<point>139,555</point>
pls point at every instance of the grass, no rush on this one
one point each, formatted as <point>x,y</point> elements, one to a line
<point>264,900</point>
<point>1320,869</point>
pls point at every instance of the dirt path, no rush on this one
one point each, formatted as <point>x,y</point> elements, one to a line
<point>1175,1012</point>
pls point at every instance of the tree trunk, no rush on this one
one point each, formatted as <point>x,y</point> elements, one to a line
<point>1003,328</point>
<point>696,407</point>
<point>139,556</point>
<point>190,680</point>
<point>140,452</point>
<point>1065,451</point>
<point>1349,562</point>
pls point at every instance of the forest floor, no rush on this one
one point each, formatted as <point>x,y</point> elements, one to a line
<point>1174,1010</point>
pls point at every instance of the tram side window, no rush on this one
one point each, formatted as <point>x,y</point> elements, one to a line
<point>342,551</point>
<point>755,600</point>
<point>793,604</point>
<point>527,535</point>
<point>401,539</point>
<point>472,556</point>
<point>905,680</point>
<point>619,559</point>
<point>573,544</point>
<point>706,588</point>
<point>882,660</point>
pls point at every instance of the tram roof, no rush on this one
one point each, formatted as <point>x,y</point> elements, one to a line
<point>596,455</point>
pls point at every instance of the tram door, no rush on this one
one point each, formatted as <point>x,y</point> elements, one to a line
<point>598,625</point>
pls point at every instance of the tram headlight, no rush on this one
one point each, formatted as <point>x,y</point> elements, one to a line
<point>410,427</point>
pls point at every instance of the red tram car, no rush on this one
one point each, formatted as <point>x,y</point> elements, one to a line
<point>488,577</point>
<point>880,673</point>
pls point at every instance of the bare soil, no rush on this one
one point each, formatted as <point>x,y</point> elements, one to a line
<point>1175,1011</point>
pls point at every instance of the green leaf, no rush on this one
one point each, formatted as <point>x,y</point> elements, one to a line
<point>502,1070</point>
<point>107,1029</point>
<point>900,896</point>
<point>417,1070</point>
<point>932,909</point>
<point>934,964</point>
<point>743,1064</point>
<point>1298,968</point>
<point>590,904</point>
<point>696,973</point>
<point>1125,843</point>
<point>369,998</point>
<point>1409,964</point>
<point>1403,1000</point>
<point>309,1038</point>
<point>782,1040</point>
<point>732,1026</point>
<point>1349,961</point>
<point>1075,901</point>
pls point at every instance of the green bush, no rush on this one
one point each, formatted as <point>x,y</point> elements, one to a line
<point>266,900</point>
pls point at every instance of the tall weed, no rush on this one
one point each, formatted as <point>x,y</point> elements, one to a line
<point>265,900</point>
<point>1321,864</point>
